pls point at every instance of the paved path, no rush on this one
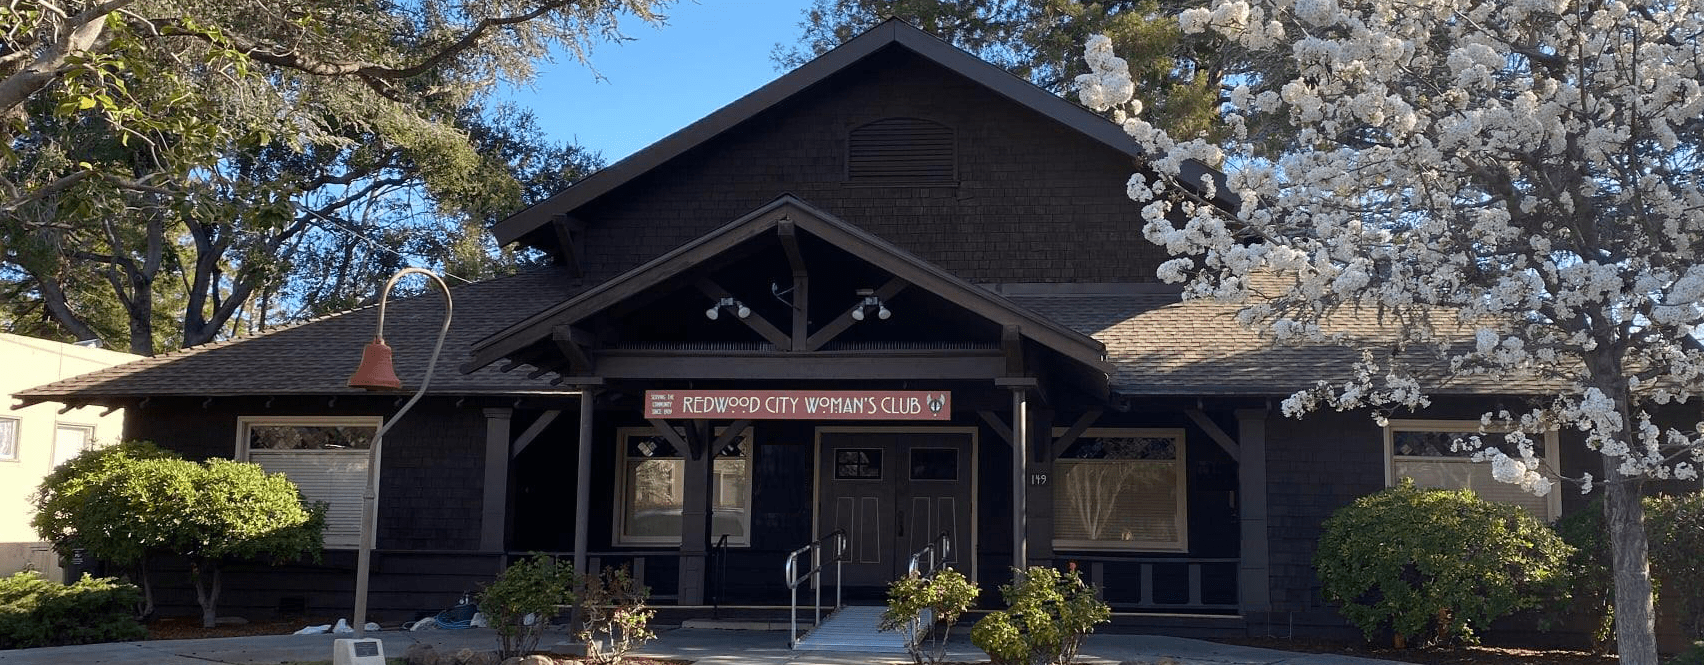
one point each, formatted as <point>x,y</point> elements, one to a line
<point>705,646</point>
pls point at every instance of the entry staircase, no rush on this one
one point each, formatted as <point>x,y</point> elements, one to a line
<point>849,627</point>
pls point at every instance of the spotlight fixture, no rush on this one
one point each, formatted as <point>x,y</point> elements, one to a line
<point>739,308</point>
<point>870,301</point>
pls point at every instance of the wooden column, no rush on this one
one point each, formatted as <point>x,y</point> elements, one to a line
<point>1020,471</point>
<point>1039,492</point>
<point>695,516</point>
<point>583,484</point>
<point>494,510</point>
<point>1254,575</point>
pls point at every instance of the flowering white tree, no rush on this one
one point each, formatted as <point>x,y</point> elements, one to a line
<point>1526,171</point>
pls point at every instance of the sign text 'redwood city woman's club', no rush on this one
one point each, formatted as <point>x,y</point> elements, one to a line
<point>800,404</point>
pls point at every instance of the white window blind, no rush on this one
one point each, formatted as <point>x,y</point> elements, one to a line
<point>1424,450</point>
<point>326,457</point>
<point>1123,490</point>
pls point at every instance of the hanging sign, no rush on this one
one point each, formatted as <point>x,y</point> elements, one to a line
<point>800,404</point>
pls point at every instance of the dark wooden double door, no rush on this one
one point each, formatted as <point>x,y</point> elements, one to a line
<point>894,492</point>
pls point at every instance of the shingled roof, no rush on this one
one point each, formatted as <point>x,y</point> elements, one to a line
<point>1159,344</point>
<point>317,356</point>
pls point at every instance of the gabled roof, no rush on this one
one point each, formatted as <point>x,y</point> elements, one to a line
<point>851,239</point>
<point>317,356</point>
<point>893,32</point>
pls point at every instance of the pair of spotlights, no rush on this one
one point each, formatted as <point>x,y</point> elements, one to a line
<point>739,309</point>
<point>869,303</point>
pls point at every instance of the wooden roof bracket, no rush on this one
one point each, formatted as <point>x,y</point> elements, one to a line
<point>575,345</point>
<point>801,288</point>
<point>839,325</point>
<point>757,323</point>
<point>570,246</point>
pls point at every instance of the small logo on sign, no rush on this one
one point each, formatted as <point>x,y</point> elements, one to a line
<point>935,403</point>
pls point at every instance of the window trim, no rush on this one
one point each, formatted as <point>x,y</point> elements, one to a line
<point>242,448</point>
<point>88,441</point>
<point>618,521</point>
<point>1551,453</point>
<point>17,439</point>
<point>1182,511</point>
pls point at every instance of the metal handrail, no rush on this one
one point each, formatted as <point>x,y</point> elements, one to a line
<point>945,549</point>
<point>794,578</point>
<point>720,552</point>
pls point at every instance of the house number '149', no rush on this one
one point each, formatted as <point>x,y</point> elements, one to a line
<point>1038,479</point>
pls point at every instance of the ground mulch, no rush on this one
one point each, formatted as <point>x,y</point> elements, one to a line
<point>1480,655</point>
<point>189,628</point>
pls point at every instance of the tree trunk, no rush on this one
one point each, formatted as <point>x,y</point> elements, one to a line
<point>207,594</point>
<point>147,590</point>
<point>1635,623</point>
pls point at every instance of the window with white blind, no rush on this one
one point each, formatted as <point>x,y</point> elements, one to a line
<point>1121,489</point>
<point>653,483</point>
<point>1424,450</point>
<point>71,440</point>
<point>326,457</point>
<point>8,439</point>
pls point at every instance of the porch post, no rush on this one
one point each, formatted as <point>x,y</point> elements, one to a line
<point>494,509</point>
<point>1020,473</point>
<point>1254,589</point>
<point>1040,496</point>
<point>583,485</point>
<point>695,516</point>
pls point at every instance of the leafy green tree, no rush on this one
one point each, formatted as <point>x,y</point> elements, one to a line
<point>1180,81</point>
<point>197,146</point>
<point>136,502</point>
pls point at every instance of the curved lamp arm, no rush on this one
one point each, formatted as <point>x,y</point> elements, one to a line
<point>369,498</point>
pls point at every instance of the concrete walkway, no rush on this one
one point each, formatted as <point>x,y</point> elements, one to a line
<point>695,644</point>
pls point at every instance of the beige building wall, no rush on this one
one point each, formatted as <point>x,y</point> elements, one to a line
<point>35,439</point>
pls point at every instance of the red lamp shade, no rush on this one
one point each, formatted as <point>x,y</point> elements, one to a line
<point>376,371</point>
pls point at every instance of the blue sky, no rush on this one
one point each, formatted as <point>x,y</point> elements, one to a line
<point>707,55</point>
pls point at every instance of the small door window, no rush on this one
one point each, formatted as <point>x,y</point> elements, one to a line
<point>934,464</point>
<point>857,464</point>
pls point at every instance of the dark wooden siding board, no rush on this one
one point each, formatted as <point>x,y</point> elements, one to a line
<point>1035,201</point>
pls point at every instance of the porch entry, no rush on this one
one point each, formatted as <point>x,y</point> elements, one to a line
<point>893,490</point>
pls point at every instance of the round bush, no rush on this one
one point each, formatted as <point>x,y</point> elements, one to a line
<point>1432,565</point>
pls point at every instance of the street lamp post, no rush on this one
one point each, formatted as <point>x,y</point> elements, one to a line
<point>377,373</point>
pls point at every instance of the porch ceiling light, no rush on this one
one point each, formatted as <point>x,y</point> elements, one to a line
<point>377,373</point>
<point>739,309</point>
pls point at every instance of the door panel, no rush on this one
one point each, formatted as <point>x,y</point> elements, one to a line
<point>893,492</point>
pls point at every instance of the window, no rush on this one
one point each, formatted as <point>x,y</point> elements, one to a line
<point>8,439</point>
<point>325,456</point>
<point>70,441</point>
<point>1121,489</point>
<point>653,490</point>
<point>1421,449</point>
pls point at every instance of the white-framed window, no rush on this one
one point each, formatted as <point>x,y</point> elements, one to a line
<point>1122,489</point>
<point>652,480</point>
<point>70,440</point>
<point>326,456</point>
<point>9,439</point>
<point>1422,450</point>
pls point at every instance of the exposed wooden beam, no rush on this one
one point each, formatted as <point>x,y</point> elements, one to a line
<point>570,249</point>
<point>533,430</point>
<point>801,301</point>
<point>755,322</point>
<point>1075,430</point>
<point>1012,345</point>
<point>666,430</point>
<point>1213,432</point>
<point>733,431</point>
<point>573,343</point>
<point>632,365</point>
<point>999,426</point>
<point>839,325</point>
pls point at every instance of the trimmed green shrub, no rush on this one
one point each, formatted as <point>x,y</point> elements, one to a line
<point>1675,525</point>
<point>945,596</point>
<point>37,613</point>
<point>535,587</point>
<point>1431,565</point>
<point>1047,615</point>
